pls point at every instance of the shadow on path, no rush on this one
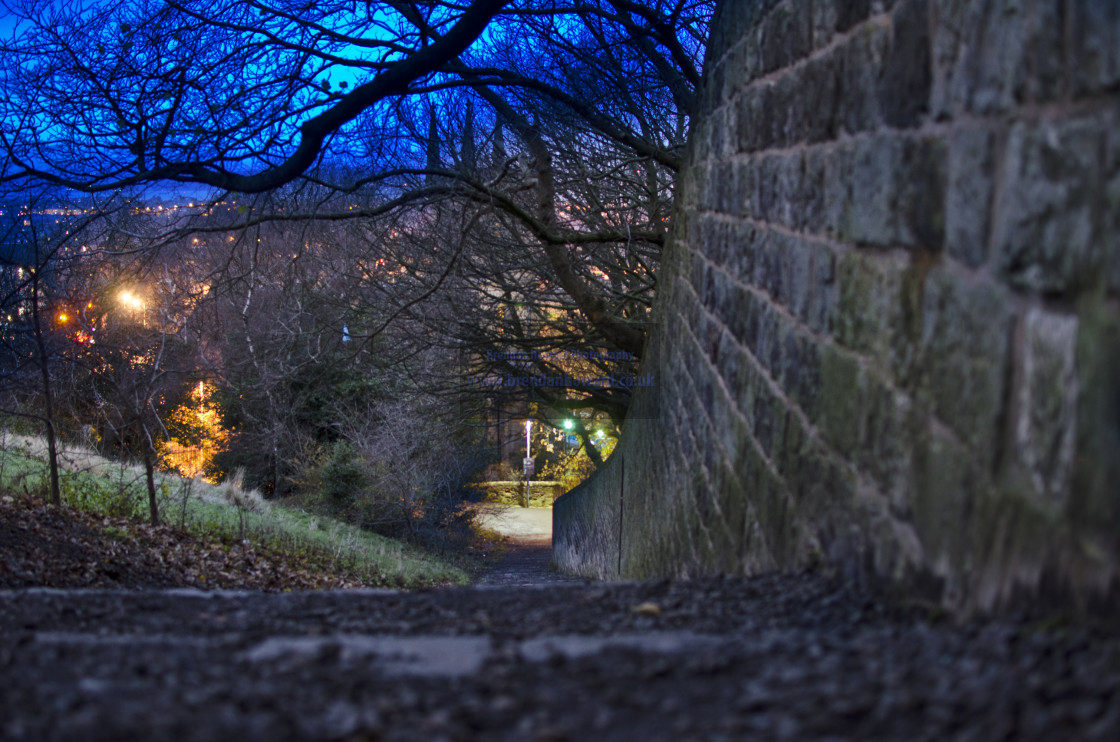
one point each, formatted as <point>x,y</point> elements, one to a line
<point>528,559</point>
<point>527,562</point>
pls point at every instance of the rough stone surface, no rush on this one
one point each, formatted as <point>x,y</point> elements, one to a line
<point>889,313</point>
<point>777,657</point>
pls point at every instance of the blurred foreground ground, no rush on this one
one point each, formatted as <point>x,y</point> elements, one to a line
<point>778,657</point>
<point>528,655</point>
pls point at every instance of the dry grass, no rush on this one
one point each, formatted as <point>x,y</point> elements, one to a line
<point>95,483</point>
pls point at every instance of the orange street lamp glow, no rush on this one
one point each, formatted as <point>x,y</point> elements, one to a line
<point>63,318</point>
<point>131,300</point>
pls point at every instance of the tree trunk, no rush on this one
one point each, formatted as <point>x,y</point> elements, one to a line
<point>48,398</point>
<point>150,476</point>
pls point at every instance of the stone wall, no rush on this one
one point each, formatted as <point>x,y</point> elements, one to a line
<point>888,321</point>
<point>511,492</point>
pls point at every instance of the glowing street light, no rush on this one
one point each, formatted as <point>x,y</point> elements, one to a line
<point>131,300</point>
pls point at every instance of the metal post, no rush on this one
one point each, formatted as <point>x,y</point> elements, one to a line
<point>528,460</point>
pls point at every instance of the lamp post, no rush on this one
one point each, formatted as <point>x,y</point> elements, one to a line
<point>528,463</point>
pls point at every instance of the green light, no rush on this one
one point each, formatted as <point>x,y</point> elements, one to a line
<point>568,425</point>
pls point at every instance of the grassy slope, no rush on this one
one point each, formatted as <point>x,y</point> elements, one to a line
<point>93,483</point>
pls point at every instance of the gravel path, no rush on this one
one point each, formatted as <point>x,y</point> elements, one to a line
<point>527,562</point>
<point>778,657</point>
<point>528,557</point>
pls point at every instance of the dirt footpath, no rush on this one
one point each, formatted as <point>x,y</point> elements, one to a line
<point>780,657</point>
<point>528,557</point>
<point>532,524</point>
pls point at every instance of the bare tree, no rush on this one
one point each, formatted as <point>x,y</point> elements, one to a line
<point>40,283</point>
<point>230,94</point>
<point>464,191</point>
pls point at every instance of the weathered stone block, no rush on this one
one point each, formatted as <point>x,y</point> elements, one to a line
<point>837,184</point>
<point>735,62</point>
<point>801,375</point>
<point>842,409</point>
<point>724,247</point>
<point>1046,401</point>
<point>943,504</point>
<point>724,141</point>
<point>797,260</point>
<point>768,264</point>
<point>822,489</point>
<point>1093,501</point>
<point>995,54</point>
<point>885,454</point>
<point>1047,80</point>
<point>752,132</point>
<point>766,347</point>
<point>746,180</point>
<point>906,323</point>
<point>740,263</point>
<point>702,185</point>
<point>969,196</point>
<point>897,193</point>
<point>1110,210</point>
<point>725,420</point>
<point>766,184</point>
<point>743,321</point>
<point>826,17</point>
<point>696,271</point>
<point>964,358</point>
<point>813,195</point>
<point>1095,51</point>
<point>869,303</point>
<point>820,84</point>
<point>787,35</point>
<point>858,95</point>
<point>1044,237</point>
<point>904,87</point>
<point>787,186</point>
<point>748,393</point>
<point>824,296</point>
<point>770,416</point>
<point>869,216</point>
<point>724,189</point>
<point>920,203</point>
<point>980,49</point>
<point>848,14</point>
